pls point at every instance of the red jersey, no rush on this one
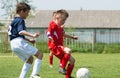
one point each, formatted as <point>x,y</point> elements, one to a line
<point>57,33</point>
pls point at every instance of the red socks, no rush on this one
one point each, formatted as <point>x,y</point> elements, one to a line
<point>69,70</point>
<point>69,67</point>
<point>51,59</point>
<point>65,60</point>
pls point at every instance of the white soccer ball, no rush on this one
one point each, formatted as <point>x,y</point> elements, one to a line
<point>83,73</point>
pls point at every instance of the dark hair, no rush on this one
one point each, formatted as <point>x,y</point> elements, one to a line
<point>62,11</point>
<point>22,6</point>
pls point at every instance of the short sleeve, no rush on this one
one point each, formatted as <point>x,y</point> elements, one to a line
<point>21,26</point>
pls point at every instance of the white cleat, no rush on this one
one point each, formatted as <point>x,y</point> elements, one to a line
<point>35,76</point>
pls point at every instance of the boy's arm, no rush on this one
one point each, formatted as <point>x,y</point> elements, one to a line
<point>69,36</point>
<point>25,33</point>
<point>49,36</point>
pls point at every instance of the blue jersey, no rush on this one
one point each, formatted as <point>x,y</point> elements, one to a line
<point>17,25</point>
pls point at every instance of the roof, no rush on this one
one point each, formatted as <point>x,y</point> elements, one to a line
<point>79,19</point>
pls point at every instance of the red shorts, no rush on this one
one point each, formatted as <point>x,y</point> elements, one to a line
<point>58,51</point>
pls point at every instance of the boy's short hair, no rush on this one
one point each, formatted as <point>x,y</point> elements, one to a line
<point>62,11</point>
<point>22,6</point>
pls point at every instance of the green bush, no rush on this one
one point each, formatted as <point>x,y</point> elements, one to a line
<point>112,48</point>
<point>42,46</point>
<point>2,24</point>
<point>106,48</point>
<point>98,47</point>
<point>80,47</point>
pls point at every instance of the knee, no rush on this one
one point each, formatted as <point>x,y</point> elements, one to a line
<point>72,60</point>
<point>67,50</point>
<point>30,60</point>
<point>51,53</point>
<point>39,55</point>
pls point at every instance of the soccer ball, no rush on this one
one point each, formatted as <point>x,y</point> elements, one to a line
<point>83,73</point>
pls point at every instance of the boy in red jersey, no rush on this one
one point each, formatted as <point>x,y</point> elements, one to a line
<point>50,54</point>
<point>56,36</point>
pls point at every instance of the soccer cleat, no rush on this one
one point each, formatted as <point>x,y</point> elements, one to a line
<point>62,71</point>
<point>35,76</point>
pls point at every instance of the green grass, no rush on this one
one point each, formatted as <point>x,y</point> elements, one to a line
<point>100,66</point>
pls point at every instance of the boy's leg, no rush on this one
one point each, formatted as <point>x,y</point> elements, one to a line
<point>37,64</point>
<point>26,68</point>
<point>60,63</point>
<point>51,59</point>
<point>66,56</point>
<point>70,67</point>
<point>65,60</point>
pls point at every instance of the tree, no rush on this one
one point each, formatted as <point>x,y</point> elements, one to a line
<point>9,6</point>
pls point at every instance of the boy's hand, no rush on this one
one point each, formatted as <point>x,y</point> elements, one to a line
<point>36,35</point>
<point>75,37</point>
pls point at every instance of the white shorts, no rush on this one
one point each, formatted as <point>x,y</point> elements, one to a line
<point>22,49</point>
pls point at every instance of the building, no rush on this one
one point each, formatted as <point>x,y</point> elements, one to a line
<point>102,25</point>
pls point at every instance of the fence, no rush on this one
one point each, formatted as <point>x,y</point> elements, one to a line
<point>108,37</point>
<point>85,41</point>
<point>4,44</point>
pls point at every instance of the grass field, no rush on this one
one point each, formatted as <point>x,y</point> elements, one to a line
<point>100,66</point>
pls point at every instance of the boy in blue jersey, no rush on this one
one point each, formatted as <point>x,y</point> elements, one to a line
<point>17,32</point>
